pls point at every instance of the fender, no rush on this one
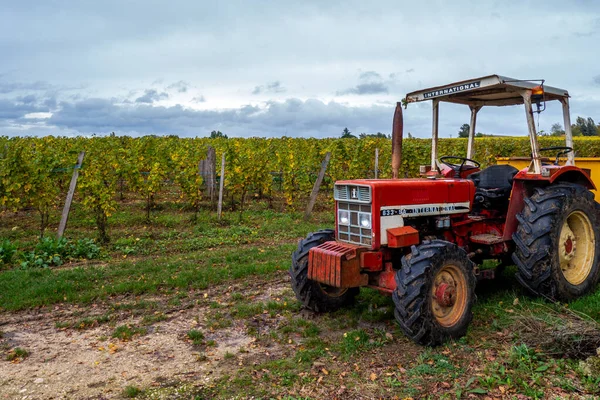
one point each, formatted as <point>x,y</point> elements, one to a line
<point>523,184</point>
<point>556,173</point>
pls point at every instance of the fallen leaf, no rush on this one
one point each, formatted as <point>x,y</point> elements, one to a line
<point>323,370</point>
<point>373,376</point>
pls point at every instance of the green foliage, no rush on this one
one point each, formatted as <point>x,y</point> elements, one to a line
<point>587,127</point>
<point>377,135</point>
<point>50,252</point>
<point>217,135</point>
<point>35,172</point>
<point>53,246</point>
<point>98,183</point>
<point>346,134</point>
<point>84,248</point>
<point>463,132</point>
<point>7,252</point>
<point>557,130</point>
<point>32,259</point>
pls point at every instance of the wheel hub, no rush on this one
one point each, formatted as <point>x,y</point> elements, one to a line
<point>449,295</point>
<point>445,295</point>
<point>568,243</point>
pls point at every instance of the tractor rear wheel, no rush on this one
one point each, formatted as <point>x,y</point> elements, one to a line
<point>558,242</point>
<point>314,295</point>
<point>435,292</point>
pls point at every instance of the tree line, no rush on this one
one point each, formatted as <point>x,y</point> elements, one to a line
<point>581,127</point>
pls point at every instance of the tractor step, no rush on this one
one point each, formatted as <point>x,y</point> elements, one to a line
<point>486,238</point>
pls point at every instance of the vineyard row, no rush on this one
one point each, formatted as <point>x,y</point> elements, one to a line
<point>35,172</point>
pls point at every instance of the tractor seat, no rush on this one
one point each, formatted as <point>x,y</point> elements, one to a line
<point>493,184</point>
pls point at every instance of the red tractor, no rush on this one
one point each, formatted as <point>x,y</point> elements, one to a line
<point>421,240</point>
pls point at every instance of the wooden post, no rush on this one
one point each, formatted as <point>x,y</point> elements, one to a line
<point>65,214</point>
<point>315,191</point>
<point>207,169</point>
<point>221,183</point>
<point>376,163</point>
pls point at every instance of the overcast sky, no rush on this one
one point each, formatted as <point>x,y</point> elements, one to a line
<point>273,68</point>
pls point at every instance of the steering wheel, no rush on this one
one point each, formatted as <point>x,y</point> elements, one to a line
<point>562,150</point>
<point>457,168</point>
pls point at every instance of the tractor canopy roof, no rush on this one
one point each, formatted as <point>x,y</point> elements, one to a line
<point>491,90</point>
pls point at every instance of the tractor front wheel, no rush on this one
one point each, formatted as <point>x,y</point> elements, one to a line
<point>435,292</point>
<point>558,242</point>
<point>314,295</point>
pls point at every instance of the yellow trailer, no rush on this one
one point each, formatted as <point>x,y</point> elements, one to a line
<point>592,164</point>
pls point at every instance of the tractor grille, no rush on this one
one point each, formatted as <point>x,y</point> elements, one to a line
<point>359,194</point>
<point>353,232</point>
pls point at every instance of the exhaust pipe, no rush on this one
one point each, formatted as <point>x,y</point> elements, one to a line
<point>397,131</point>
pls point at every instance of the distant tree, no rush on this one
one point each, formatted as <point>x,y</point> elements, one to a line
<point>463,132</point>
<point>556,130</point>
<point>587,127</point>
<point>218,135</point>
<point>410,136</point>
<point>592,128</point>
<point>374,135</point>
<point>346,134</point>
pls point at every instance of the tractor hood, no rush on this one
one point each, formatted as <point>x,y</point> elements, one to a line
<point>394,192</point>
<point>391,203</point>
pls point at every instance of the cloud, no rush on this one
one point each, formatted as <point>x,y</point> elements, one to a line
<point>366,88</point>
<point>273,87</point>
<point>180,87</point>
<point>292,117</point>
<point>369,75</point>
<point>150,96</point>
<point>199,99</point>
<point>596,79</point>
<point>11,110</point>
<point>371,82</point>
<point>29,99</point>
<point>10,87</point>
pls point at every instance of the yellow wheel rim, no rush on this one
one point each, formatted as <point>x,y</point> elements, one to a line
<point>576,248</point>
<point>449,295</point>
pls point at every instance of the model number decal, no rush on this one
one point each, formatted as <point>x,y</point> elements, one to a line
<point>426,209</point>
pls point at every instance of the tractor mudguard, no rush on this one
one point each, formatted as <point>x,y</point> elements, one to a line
<point>523,184</point>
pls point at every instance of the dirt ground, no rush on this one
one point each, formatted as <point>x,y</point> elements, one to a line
<point>74,354</point>
<point>90,364</point>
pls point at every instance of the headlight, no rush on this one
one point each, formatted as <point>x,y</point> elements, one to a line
<point>364,220</point>
<point>343,217</point>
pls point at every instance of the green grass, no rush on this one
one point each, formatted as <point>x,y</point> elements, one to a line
<point>127,332</point>
<point>17,354</point>
<point>21,289</point>
<point>175,261</point>
<point>196,336</point>
<point>131,392</point>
